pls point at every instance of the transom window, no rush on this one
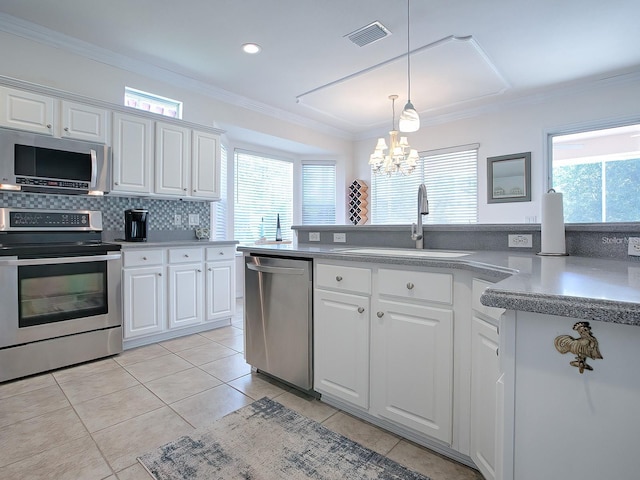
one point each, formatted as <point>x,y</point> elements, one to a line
<point>598,173</point>
<point>152,103</point>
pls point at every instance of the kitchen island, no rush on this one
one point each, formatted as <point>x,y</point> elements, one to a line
<point>551,420</point>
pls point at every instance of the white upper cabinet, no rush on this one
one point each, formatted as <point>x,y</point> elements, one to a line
<point>84,122</point>
<point>172,159</point>
<point>205,165</point>
<point>27,111</point>
<point>132,154</point>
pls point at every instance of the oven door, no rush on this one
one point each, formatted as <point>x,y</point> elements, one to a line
<point>45,298</point>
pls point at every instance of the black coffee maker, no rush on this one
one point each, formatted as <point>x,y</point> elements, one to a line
<point>135,225</point>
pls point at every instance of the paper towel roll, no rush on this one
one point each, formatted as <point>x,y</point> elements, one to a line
<point>552,227</point>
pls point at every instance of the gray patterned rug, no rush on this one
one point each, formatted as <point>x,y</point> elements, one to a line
<point>267,441</point>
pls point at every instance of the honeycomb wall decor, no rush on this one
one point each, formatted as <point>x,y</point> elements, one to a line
<point>358,202</point>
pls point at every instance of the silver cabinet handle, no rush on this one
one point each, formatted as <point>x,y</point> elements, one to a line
<point>211,269</point>
<point>269,269</point>
<point>338,278</point>
<point>360,309</point>
<point>198,270</point>
<point>66,129</point>
<point>116,183</point>
<point>220,253</point>
<point>159,274</point>
<point>58,260</point>
<point>380,314</point>
<point>144,258</point>
<point>186,256</point>
<point>48,125</point>
<point>194,190</point>
<point>410,286</point>
<point>497,352</point>
<point>184,189</point>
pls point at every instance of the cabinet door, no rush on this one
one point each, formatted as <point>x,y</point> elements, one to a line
<point>205,165</point>
<point>143,301</point>
<point>185,295</point>
<point>84,122</point>
<point>172,160</point>
<point>485,372</point>
<point>341,346</point>
<point>132,153</point>
<point>412,367</point>
<point>220,288</point>
<point>27,111</point>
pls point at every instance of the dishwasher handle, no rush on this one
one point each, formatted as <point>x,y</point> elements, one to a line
<point>281,270</point>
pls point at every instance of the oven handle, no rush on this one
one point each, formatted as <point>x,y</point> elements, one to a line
<point>53,261</point>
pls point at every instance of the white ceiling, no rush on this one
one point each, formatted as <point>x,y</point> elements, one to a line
<point>466,53</point>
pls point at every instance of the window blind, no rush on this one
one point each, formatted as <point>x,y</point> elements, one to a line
<point>263,189</point>
<point>451,178</point>
<point>318,193</point>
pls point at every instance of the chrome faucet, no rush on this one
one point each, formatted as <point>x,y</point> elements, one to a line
<point>423,209</point>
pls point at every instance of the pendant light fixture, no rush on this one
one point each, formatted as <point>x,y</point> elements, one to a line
<point>409,118</point>
<point>401,158</point>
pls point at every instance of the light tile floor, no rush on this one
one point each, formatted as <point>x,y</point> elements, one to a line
<point>91,421</point>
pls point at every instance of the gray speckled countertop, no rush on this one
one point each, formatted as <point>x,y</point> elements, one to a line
<point>583,287</point>
<point>176,243</point>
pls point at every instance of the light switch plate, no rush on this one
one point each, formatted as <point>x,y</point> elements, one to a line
<point>634,246</point>
<point>314,236</point>
<point>194,219</point>
<point>177,219</point>
<point>340,237</point>
<point>520,241</point>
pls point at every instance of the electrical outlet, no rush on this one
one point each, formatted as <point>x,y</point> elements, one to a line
<point>177,219</point>
<point>340,237</point>
<point>194,219</point>
<point>314,236</point>
<point>520,241</point>
<point>634,246</point>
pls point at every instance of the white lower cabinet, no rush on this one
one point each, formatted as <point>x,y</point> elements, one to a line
<point>485,389</point>
<point>143,301</point>
<point>167,293</point>
<point>412,367</point>
<point>185,295</point>
<point>341,346</point>
<point>383,340</point>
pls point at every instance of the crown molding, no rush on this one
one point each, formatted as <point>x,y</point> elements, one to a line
<point>31,31</point>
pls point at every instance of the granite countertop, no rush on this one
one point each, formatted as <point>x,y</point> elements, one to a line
<point>582,287</point>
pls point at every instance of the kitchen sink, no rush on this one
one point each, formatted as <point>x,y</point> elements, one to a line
<point>404,252</point>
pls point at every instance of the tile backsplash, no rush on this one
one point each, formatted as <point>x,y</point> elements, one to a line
<point>161,212</point>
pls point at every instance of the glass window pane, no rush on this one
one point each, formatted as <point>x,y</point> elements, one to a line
<point>318,193</point>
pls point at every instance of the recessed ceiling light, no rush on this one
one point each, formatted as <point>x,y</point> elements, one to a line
<point>251,48</point>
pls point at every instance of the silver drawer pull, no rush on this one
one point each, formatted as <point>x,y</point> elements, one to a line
<point>159,274</point>
<point>380,314</point>
<point>144,258</point>
<point>220,253</point>
<point>186,256</point>
<point>410,286</point>
<point>360,309</point>
<point>198,270</point>
<point>338,278</point>
<point>497,352</point>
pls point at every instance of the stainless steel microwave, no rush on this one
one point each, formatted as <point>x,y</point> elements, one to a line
<point>30,162</point>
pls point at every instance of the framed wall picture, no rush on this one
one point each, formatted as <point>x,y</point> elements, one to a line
<point>509,178</point>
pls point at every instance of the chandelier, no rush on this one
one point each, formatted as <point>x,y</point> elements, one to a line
<point>400,157</point>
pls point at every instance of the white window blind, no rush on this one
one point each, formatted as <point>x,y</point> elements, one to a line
<point>318,193</point>
<point>263,189</point>
<point>451,178</point>
<point>221,210</point>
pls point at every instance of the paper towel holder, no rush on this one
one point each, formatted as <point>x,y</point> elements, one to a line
<point>552,190</point>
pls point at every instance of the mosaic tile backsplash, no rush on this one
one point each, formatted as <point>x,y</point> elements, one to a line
<point>161,212</point>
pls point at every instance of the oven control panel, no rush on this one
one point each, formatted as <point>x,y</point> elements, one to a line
<point>22,219</point>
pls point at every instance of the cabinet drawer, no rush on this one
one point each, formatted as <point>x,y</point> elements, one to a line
<point>428,286</point>
<point>226,252</point>
<point>185,255</point>
<point>338,277</point>
<point>141,257</point>
<point>479,286</point>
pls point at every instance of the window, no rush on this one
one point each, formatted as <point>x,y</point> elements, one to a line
<point>598,173</point>
<point>263,189</point>
<point>221,211</point>
<point>451,178</point>
<point>152,103</point>
<point>318,193</point>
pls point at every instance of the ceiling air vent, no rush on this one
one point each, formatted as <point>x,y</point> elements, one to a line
<point>369,34</point>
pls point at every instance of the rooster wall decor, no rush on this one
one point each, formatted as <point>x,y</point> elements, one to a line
<point>584,346</point>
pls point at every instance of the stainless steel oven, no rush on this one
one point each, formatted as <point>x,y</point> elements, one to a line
<point>61,299</point>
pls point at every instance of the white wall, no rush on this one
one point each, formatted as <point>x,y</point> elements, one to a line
<point>520,128</point>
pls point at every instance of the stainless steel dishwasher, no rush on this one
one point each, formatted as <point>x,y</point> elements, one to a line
<point>278,319</point>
